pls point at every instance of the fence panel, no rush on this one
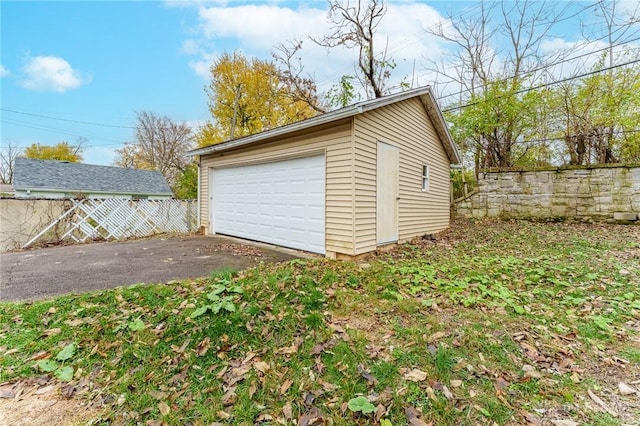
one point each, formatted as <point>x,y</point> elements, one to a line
<point>26,222</point>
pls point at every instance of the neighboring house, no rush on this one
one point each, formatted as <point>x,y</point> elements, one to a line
<point>62,179</point>
<point>339,184</point>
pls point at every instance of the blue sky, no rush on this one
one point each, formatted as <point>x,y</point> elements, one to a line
<point>98,62</point>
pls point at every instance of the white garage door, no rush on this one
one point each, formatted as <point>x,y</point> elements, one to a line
<point>280,203</point>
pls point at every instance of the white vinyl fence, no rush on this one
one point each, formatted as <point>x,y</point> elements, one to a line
<point>30,222</point>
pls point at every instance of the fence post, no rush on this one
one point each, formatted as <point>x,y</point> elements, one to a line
<point>189,217</point>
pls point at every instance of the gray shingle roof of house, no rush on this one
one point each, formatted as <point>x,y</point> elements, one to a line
<point>30,174</point>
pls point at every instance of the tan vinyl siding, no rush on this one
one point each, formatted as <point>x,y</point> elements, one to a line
<point>365,186</point>
<point>407,126</point>
<point>335,142</point>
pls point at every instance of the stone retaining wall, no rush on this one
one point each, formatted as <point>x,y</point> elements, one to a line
<point>558,193</point>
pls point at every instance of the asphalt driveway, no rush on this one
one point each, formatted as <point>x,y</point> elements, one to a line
<point>47,272</point>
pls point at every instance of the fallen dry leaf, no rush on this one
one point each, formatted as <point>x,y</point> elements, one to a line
<point>264,417</point>
<point>158,395</point>
<point>413,416</point>
<point>51,332</point>
<point>285,386</point>
<point>310,418</point>
<point>287,411</point>
<point>289,350</point>
<point>321,347</point>
<point>164,408</point>
<point>430,393</point>
<point>501,384</point>
<point>531,419</point>
<point>229,398</point>
<point>415,375</point>
<point>530,371</point>
<point>261,366</point>
<point>366,375</point>
<point>436,336</point>
<point>203,346</point>
<point>74,323</point>
<point>223,415</point>
<point>381,410</point>
<point>625,389</point>
<point>447,393</point>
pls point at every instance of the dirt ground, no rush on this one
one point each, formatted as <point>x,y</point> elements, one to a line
<point>41,401</point>
<point>47,272</point>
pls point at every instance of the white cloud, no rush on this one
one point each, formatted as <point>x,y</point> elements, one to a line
<point>100,155</point>
<point>3,71</point>
<point>51,73</point>
<point>576,56</point>
<point>190,47</point>
<point>261,26</point>
<point>202,65</point>
<point>257,29</point>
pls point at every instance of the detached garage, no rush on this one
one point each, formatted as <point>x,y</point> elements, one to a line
<point>339,184</point>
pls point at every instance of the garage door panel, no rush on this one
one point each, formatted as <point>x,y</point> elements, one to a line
<point>281,202</point>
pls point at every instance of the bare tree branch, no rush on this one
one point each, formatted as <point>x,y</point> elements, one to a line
<point>290,70</point>
<point>355,26</point>
<point>160,144</point>
<point>8,155</point>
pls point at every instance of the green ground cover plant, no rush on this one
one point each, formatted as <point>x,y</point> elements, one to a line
<point>488,323</point>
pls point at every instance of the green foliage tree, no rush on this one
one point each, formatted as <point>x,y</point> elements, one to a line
<point>505,116</point>
<point>496,58</point>
<point>598,116</point>
<point>497,122</point>
<point>186,187</point>
<point>344,93</point>
<point>62,151</point>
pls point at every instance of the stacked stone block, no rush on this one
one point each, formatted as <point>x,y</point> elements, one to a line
<point>559,193</point>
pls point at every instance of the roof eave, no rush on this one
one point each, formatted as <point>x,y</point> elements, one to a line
<point>435,113</point>
<point>91,191</point>
<point>319,120</point>
<point>280,131</point>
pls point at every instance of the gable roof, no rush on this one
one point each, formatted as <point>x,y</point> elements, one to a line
<point>63,176</point>
<point>424,93</point>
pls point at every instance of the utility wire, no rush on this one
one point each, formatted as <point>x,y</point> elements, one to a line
<point>58,131</point>
<point>555,64</point>
<point>449,21</point>
<point>564,80</point>
<point>554,139</point>
<point>64,119</point>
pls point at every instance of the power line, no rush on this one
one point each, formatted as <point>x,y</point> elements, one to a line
<point>549,84</point>
<point>67,120</point>
<point>59,131</point>
<point>555,64</point>
<point>449,22</point>
<point>554,139</point>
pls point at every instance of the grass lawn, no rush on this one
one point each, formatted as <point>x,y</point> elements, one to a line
<point>489,323</point>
